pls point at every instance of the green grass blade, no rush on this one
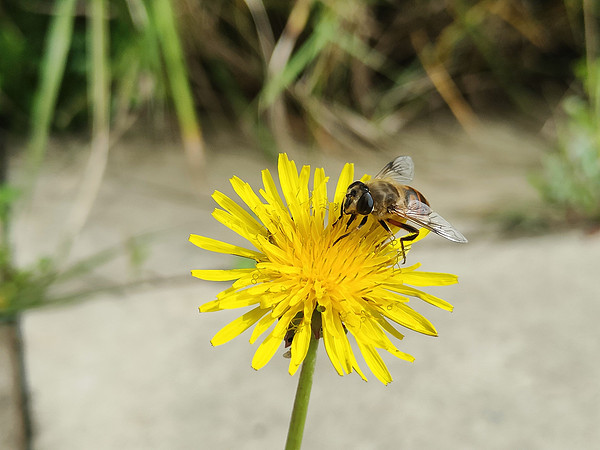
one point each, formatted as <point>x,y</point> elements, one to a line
<point>166,27</point>
<point>99,93</point>
<point>52,69</point>
<point>307,53</point>
<point>99,68</point>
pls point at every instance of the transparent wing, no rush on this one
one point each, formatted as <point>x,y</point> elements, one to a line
<point>421,214</point>
<point>401,170</point>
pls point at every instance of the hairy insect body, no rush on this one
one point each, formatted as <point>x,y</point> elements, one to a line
<point>390,200</point>
<point>385,196</point>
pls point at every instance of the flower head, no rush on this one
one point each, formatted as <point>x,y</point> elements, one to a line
<point>305,282</point>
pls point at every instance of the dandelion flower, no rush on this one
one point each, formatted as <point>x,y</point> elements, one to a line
<point>303,284</point>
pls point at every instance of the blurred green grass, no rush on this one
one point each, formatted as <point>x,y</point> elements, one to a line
<point>356,59</point>
<point>328,73</point>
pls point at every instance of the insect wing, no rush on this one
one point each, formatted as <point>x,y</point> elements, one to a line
<point>401,170</point>
<point>424,216</point>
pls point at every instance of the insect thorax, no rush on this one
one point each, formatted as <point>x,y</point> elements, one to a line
<point>385,195</point>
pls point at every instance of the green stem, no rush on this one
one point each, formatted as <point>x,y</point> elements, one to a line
<point>296,430</point>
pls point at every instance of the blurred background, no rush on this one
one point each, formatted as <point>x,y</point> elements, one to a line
<point>118,119</point>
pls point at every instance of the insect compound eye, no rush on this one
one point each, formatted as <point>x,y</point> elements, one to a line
<point>355,188</point>
<point>365,204</point>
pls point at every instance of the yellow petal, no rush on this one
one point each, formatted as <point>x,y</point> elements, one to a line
<point>282,306</point>
<point>221,275</point>
<point>431,299</point>
<point>254,278</point>
<point>288,179</point>
<point>274,253</point>
<point>246,193</point>
<point>301,208</point>
<point>270,193</point>
<point>302,197</point>
<point>382,296</point>
<point>370,332</point>
<point>278,269</point>
<point>429,278</point>
<point>261,327</point>
<point>240,299</point>
<point>273,299</point>
<point>238,226</point>
<point>409,268</point>
<point>387,326</point>
<point>398,354</point>
<point>213,245</point>
<point>358,369</point>
<point>300,345</point>
<point>238,326</point>
<point>295,191</point>
<point>409,318</point>
<point>211,306</point>
<point>265,351</point>
<point>337,344</point>
<point>269,346</point>
<point>319,196</point>
<point>345,179</point>
<point>330,348</point>
<point>350,360</point>
<point>232,207</point>
<point>374,362</point>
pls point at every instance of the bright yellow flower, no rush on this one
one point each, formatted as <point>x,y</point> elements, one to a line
<point>357,285</point>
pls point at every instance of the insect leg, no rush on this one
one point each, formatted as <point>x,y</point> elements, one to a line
<point>414,232</point>
<point>350,220</point>
<point>340,238</point>
<point>362,222</point>
<point>385,227</point>
<point>339,218</point>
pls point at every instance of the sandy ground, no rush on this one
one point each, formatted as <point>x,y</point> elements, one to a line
<point>515,365</point>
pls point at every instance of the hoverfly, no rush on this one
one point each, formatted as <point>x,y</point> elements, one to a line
<point>387,198</point>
